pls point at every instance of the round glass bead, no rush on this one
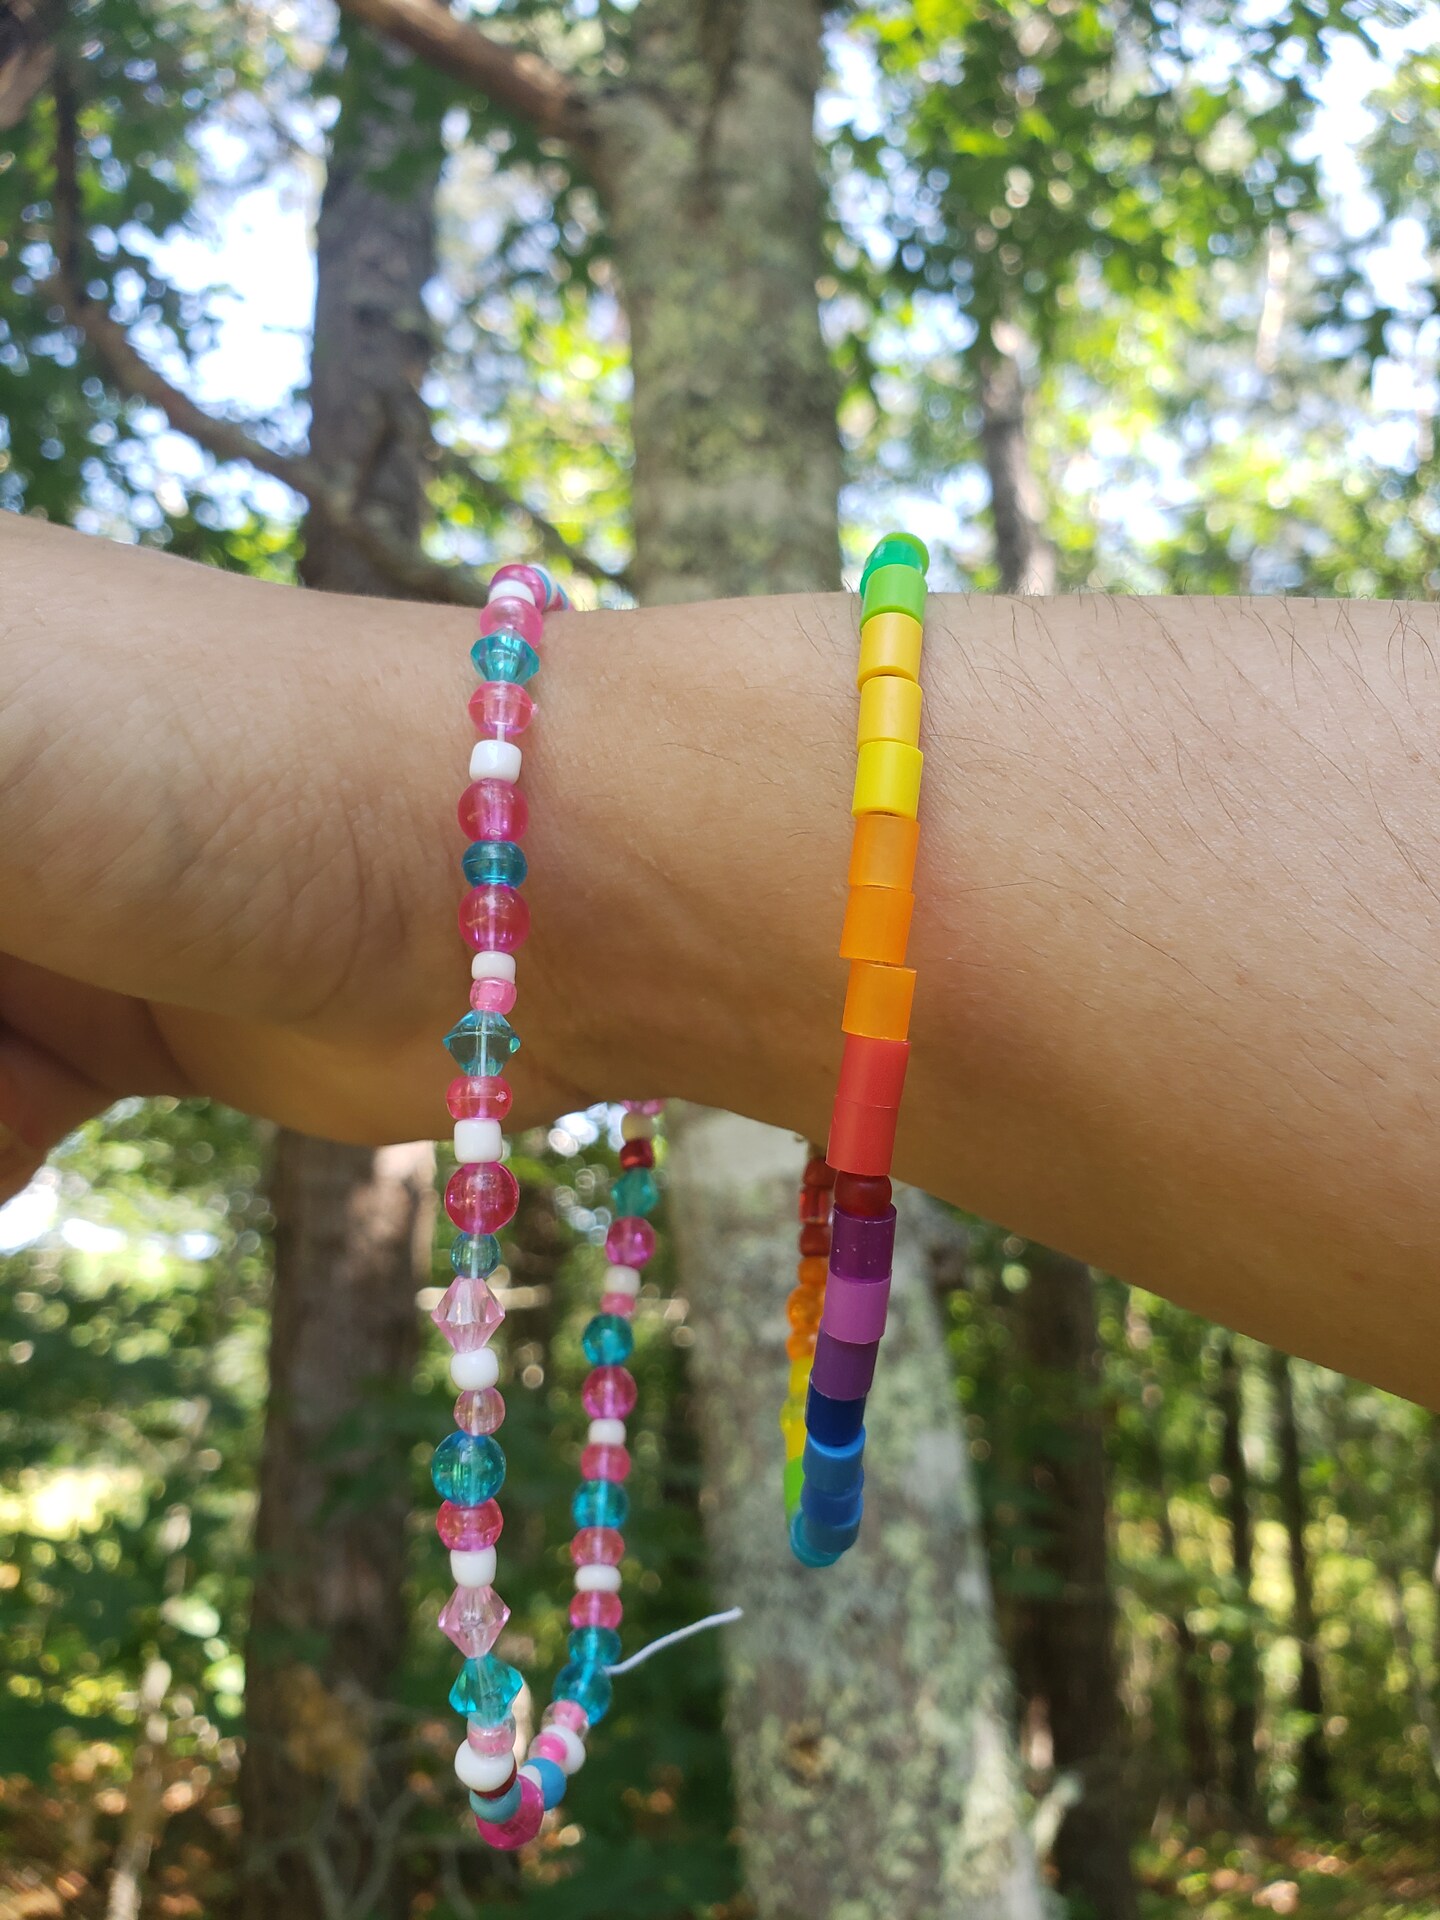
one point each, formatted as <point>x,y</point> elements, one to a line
<point>629,1243</point>
<point>475,1256</point>
<point>605,1463</point>
<point>607,1340</point>
<point>597,1547</point>
<point>588,1686</point>
<point>637,1153</point>
<point>565,1713</point>
<point>635,1192</point>
<point>548,1746</point>
<point>482,1197</point>
<point>481,1043</point>
<point>596,1610</point>
<point>465,1529</point>
<point>488,1738</point>
<point>482,1410</point>
<point>521,571</point>
<point>597,1503</point>
<point>494,863</point>
<point>622,1305</point>
<point>469,1469</point>
<point>609,1393</point>
<point>494,919</point>
<point>521,1828</point>
<point>493,810</point>
<point>477,1098</point>
<point>864,1193</point>
<point>594,1646</point>
<point>505,656</point>
<point>502,708</point>
<point>510,614</point>
<point>803,1309</point>
<point>492,996</point>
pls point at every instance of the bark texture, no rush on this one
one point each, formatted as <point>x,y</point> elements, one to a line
<point>1314,1782</point>
<point>1025,557</point>
<point>1243,1675</point>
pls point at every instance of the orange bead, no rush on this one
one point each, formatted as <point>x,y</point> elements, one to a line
<point>800,1346</point>
<point>877,925</point>
<point>877,1002</point>
<point>803,1309</point>
<point>882,852</point>
<point>812,1273</point>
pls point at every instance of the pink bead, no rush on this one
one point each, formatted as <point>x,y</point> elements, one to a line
<point>494,920</point>
<point>530,577</point>
<point>604,1463</point>
<point>492,996</point>
<point>630,1241</point>
<point>474,1098</point>
<point>487,1739</point>
<point>639,1106</point>
<point>512,616</point>
<point>598,1546</point>
<point>520,1831</point>
<point>608,1393</point>
<point>501,708</point>
<point>464,1529</point>
<point>566,1713</point>
<point>480,1410</point>
<point>468,1314</point>
<point>473,1617</point>
<point>596,1610</point>
<point>493,810</point>
<point>482,1198</point>
<point>621,1303</point>
<point>549,1746</point>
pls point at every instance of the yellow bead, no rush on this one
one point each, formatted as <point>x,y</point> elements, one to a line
<point>890,643</point>
<point>889,710</point>
<point>887,778</point>
<point>799,1380</point>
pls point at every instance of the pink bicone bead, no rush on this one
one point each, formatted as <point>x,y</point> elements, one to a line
<point>492,996</point>
<point>478,1097</point>
<point>501,708</point>
<point>512,615</point>
<point>482,1198</point>
<point>522,1829</point>
<point>619,1303</point>
<point>630,1241</point>
<point>495,920</point>
<point>598,1547</point>
<point>608,1393</point>
<point>596,1610</point>
<point>493,810</point>
<point>605,1463</point>
<point>528,576</point>
<point>549,1746</point>
<point>566,1713</point>
<point>464,1529</point>
<point>474,1618</point>
<point>480,1410</point>
<point>487,1739</point>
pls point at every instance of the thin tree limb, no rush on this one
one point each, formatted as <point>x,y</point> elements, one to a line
<point>450,460</point>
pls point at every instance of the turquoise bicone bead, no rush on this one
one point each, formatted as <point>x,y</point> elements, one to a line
<point>468,1469</point>
<point>484,1689</point>
<point>505,656</point>
<point>494,863</point>
<point>608,1340</point>
<point>635,1192</point>
<point>595,1646</point>
<point>475,1256</point>
<point>481,1043</point>
<point>588,1687</point>
<point>600,1503</point>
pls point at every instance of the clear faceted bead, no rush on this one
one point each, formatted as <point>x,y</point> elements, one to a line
<point>473,1618</point>
<point>468,1314</point>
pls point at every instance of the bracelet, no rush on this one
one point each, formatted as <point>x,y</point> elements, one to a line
<point>847,1222</point>
<point>468,1467</point>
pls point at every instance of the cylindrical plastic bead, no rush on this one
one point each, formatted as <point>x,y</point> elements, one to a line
<point>499,1738</point>
<point>495,760</point>
<point>478,1098</point>
<point>872,1072</point>
<point>482,1198</point>
<point>572,1748</point>
<point>475,1568</point>
<point>862,1139</point>
<point>833,1421</point>
<point>493,810</point>
<point>548,1746</point>
<point>889,710</point>
<point>605,1463</point>
<point>467,1529</point>
<point>894,550</point>
<point>882,849</point>
<point>863,1246</point>
<point>842,1372</point>
<point>608,1393</point>
<point>833,1509</point>
<point>606,1433</point>
<point>887,779</point>
<point>855,1309</point>
<point>565,1713</point>
<point>890,643</point>
<point>478,1140</point>
<point>493,966</point>
<point>620,1280</point>
<point>630,1242</point>
<point>501,708</point>
<point>818,1545</point>
<point>483,1772</point>
<point>596,1610</point>
<point>878,998</point>
<point>877,925</point>
<point>497,1807</point>
<point>510,614</point>
<point>891,589</point>
<point>835,1469</point>
<point>497,917</point>
<point>637,1126</point>
<point>598,1546</point>
<point>522,1828</point>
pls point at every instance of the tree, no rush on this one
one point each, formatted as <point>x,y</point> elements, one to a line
<point>1315,1786</point>
<point>1243,1669</point>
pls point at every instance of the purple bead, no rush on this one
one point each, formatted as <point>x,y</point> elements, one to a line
<point>630,1241</point>
<point>855,1309</point>
<point>841,1371</point>
<point>860,1247</point>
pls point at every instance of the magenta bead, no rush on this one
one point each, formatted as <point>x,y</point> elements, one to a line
<point>566,1713</point>
<point>480,1410</point>
<point>477,1098</point>
<point>488,1739</point>
<point>630,1242</point>
<point>501,708</point>
<point>493,810</point>
<point>512,616</point>
<point>598,1546</point>
<point>492,996</point>
<point>464,1529</point>
<point>549,1746</point>
<point>482,1198</point>
<point>604,1463</point>
<point>622,1304</point>
<point>494,919</point>
<point>596,1610</point>
<point>609,1393</point>
<point>520,1831</point>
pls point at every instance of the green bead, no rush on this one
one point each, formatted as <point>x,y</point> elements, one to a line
<point>895,550</point>
<point>635,1192</point>
<point>794,1481</point>
<point>485,1689</point>
<point>893,589</point>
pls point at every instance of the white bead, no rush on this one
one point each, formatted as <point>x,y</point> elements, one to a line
<point>478,1140</point>
<point>482,1772</point>
<point>622,1280</point>
<point>597,1579</point>
<point>478,1369</point>
<point>637,1126</point>
<point>493,966</point>
<point>574,1747</point>
<point>511,590</point>
<point>495,760</point>
<point>475,1568</point>
<point>607,1433</point>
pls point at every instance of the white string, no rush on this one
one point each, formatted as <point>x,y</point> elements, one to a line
<point>680,1633</point>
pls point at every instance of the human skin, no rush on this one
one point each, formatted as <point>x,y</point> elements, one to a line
<point>1176,922</point>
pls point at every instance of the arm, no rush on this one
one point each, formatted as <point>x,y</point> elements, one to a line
<point>1177,927</point>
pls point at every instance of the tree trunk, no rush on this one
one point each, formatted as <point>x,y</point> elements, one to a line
<point>323,1782</point>
<point>1189,1680</point>
<point>1244,1669</point>
<point>1025,558</point>
<point>1315,1785</point>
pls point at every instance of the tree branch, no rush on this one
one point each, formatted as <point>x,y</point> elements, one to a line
<point>450,460</point>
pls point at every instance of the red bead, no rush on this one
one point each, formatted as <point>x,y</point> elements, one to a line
<point>637,1153</point>
<point>814,1241</point>
<point>493,810</point>
<point>864,1193</point>
<point>494,919</point>
<point>596,1610</point>
<point>814,1206</point>
<point>872,1072</point>
<point>467,1528</point>
<point>818,1172</point>
<point>482,1198</point>
<point>604,1463</point>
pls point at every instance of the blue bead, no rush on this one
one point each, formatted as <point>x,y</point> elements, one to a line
<point>833,1421</point>
<point>552,1780</point>
<point>822,1538</point>
<point>595,1646</point>
<point>588,1687</point>
<point>834,1509</point>
<point>468,1468</point>
<point>635,1192</point>
<point>834,1469</point>
<point>600,1503</point>
<point>505,656</point>
<point>475,1255</point>
<point>485,1689</point>
<point>481,1043</point>
<point>494,863</point>
<point>500,1806</point>
<point>608,1340</point>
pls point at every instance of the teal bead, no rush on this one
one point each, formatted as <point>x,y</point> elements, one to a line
<point>475,1256</point>
<point>505,656</point>
<point>608,1340</point>
<point>481,1043</point>
<point>588,1687</point>
<point>484,1690</point>
<point>494,863</point>
<point>468,1469</point>
<point>896,550</point>
<point>635,1192</point>
<point>595,1646</point>
<point>499,1807</point>
<point>600,1503</point>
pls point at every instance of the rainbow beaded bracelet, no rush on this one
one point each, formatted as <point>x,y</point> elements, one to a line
<point>847,1222</point>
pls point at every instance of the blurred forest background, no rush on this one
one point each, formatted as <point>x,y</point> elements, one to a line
<point>1125,296</point>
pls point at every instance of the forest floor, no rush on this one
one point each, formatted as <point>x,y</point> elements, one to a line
<point>1226,1875</point>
